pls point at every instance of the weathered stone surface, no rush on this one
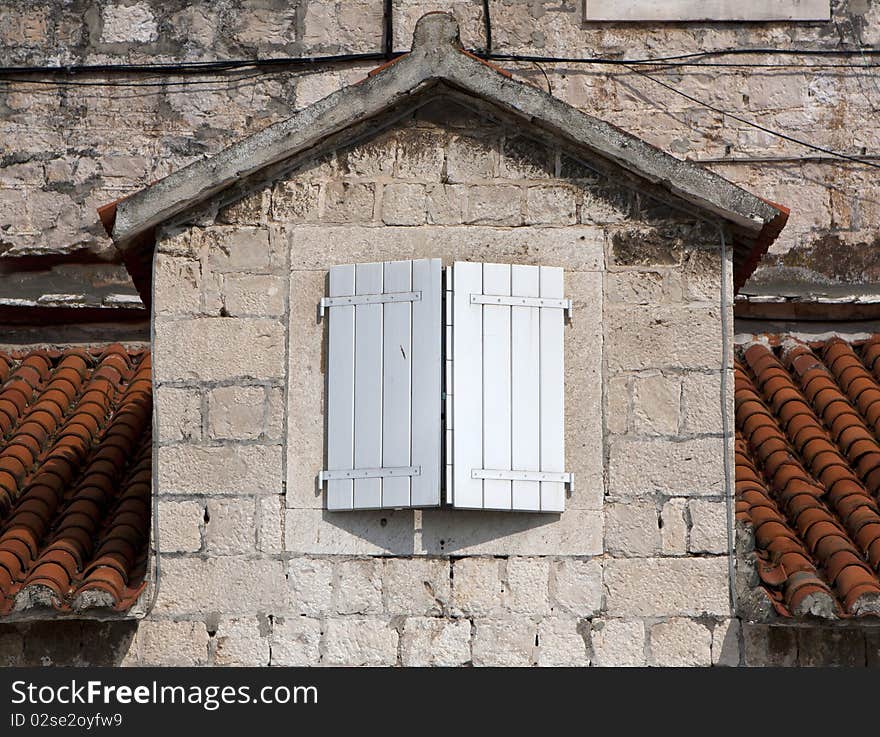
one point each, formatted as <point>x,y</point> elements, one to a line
<point>127,23</point>
<point>360,641</point>
<point>657,587</point>
<point>550,205</point>
<point>241,642</point>
<point>632,529</point>
<point>681,642</point>
<point>180,414</point>
<point>416,586</point>
<point>270,532</point>
<point>167,643</point>
<point>701,402</point>
<point>478,587</point>
<point>504,642</point>
<point>656,404</point>
<point>562,644</point>
<point>824,647</point>
<point>317,532</point>
<point>674,532</point>
<point>358,587</point>
<point>427,641</point>
<point>180,526</point>
<point>618,643</point>
<point>708,527</point>
<point>178,285</point>
<point>688,467</point>
<point>527,585</point>
<point>229,469</point>
<point>403,204</point>
<point>576,586</point>
<point>185,349</point>
<point>766,646</point>
<point>295,641</point>
<point>229,526</point>
<point>237,412</point>
<point>253,295</point>
<point>311,585</point>
<point>237,249</point>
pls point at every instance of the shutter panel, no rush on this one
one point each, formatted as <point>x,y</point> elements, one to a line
<point>507,395</point>
<point>383,385</point>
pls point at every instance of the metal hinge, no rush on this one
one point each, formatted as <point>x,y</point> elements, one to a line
<point>369,473</point>
<point>548,302</point>
<point>482,473</point>
<point>367,299</point>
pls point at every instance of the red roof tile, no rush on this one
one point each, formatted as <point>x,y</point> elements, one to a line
<point>75,477</point>
<point>808,472</point>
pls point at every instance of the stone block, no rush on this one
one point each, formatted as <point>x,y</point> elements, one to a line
<point>708,527</point>
<point>634,287</point>
<point>504,642</point>
<point>576,586</point>
<point>688,467</point>
<point>674,532</point>
<point>632,529</point>
<point>359,641</point>
<point>241,642</point>
<point>701,403</point>
<point>295,201</point>
<point>766,646</point>
<point>237,249</point>
<point>253,295</point>
<point>618,643</point>
<point>725,643</point>
<point>662,587</point>
<point>228,469</point>
<point>218,348</point>
<point>656,404</point>
<point>319,532</point>
<point>295,641</point>
<point>403,204</point>
<point>270,525</point>
<point>493,204</point>
<point>311,586</point>
<point>180,413</point>
<point>446,203</point>
<point>347,202</point>
<point>420,155</point>
<point>128,24</point>
<point>550,205</point>
<point>562,643</point>
<point>478,587</point>
<point>230,527</point>
<point>166,643</point>
<point>681,642</point>
<point>416,586</point>
<point>237,412</point>
<point>180,526</point>
<point>528,588</point>
<point>178,283</point>
<point>357,588</point>
<point>470,159</point>
<point>429,641</point>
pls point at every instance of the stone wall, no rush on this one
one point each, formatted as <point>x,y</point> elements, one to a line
<point>69,149</point>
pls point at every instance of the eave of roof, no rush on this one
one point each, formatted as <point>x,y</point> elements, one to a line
<point>437,57</point>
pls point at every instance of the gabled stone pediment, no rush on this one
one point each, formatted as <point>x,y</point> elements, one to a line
<point>438,65</point>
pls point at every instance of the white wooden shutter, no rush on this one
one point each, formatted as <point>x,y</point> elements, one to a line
<point>384,385</point>
<point>505,403</point>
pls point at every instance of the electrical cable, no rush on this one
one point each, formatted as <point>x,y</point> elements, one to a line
<point>154,527</point>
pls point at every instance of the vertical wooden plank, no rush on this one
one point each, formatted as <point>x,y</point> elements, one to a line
<point>397,364</point>
<point>496,387</point>
<point>427,368</point>
<point>368,387</point>
<point>340,389</point>
<point>467,379</point>
<point>449,386</point>
<point>552,391</point>
<point>526,389</point>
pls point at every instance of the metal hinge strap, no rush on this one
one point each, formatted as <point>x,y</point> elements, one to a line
<point>482,473</point>
<point>351,300</point>
<point>547,302</point>
<point>369,473</point>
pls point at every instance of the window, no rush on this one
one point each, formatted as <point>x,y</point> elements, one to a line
<point>696,10</point>
<point>497,356</point>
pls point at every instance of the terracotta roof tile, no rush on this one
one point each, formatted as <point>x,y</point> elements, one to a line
<point>75,470</point>
<point>808,472</point>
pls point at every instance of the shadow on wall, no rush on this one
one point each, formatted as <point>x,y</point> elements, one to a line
<point>55,642</point>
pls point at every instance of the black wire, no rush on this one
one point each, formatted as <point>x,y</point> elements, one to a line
<point>784,136</point>
<point>487,24</point>
<point>388,22</point>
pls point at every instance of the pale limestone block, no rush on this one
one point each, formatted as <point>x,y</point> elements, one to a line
<point>493,204</point>
<point>358,587</point>
<point>527,590</point>
<point>346,202</point>
<point>229,469</point>
<point>470,159</point>
<point>128,23</point>
<point>561,644</point>
<point>253,295</point>
<point>689,467</point>
<point>270,535</point>
<point>701,399</point>
<point>634,287</point>
<point>178,285</point>
<point>658,587</point>
<point>359,641</point>
<point>550,205</point>
<point>180,413</point>
<point>403,204</point>
<point>725,643</point>
<point>504,642</point>
<point>236,412</point>
<point>180,526</point>
<point>632,529</point>
<point>165,643</point>
<point>428,641</point>
<point>241,642</point>
<point>295,202</point>
<point>618,394</point>
<point>295,641</point>
<point>576,586</point>
<point>416,586</point>
<point>656,404</point>
<point>478,587</point>
<point>446,203</point>
<point>196,585</point>
<point>311,585</point>
<point>618,643</point>
<point>318,532</point>
<point>236,248</point>
<point>675,529</point>
<point>230,527</point>
<point>681,642</point>
<point>708,527</point>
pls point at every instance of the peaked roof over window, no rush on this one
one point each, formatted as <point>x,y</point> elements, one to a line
<point>808,474</point>
<point>438,64</point>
